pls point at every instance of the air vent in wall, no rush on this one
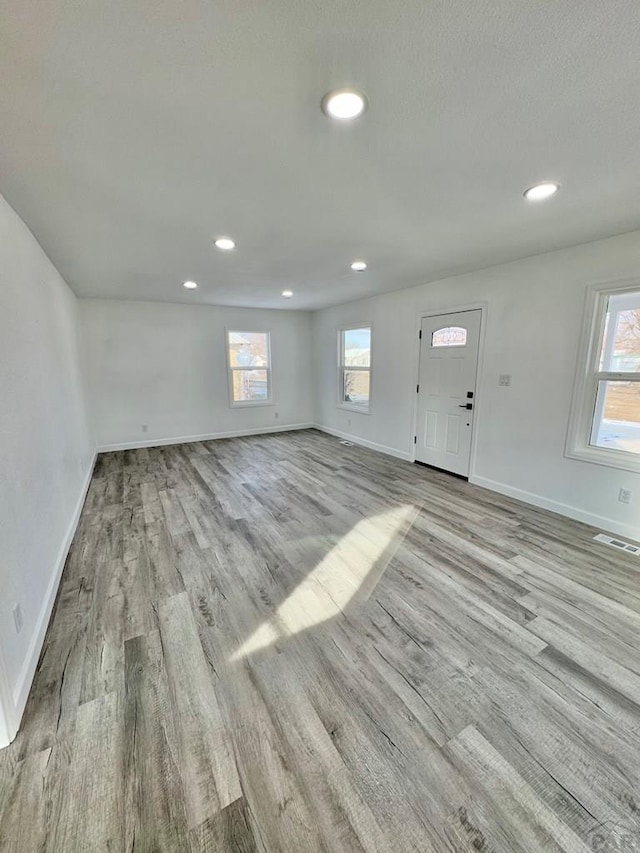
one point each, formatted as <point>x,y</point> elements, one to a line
<point>618,543</point>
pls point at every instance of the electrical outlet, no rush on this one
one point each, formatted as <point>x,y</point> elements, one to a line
<point>145,427</point>
<point>504,379</point>
<point>17,617</point>
<point>277,415</point>
<point>348,421</point>
<point>624,496</point>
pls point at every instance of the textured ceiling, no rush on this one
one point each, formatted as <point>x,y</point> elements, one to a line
<point>132,133</point>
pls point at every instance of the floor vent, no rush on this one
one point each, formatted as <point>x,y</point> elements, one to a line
<point>347,443</point>
<point>618,543</point>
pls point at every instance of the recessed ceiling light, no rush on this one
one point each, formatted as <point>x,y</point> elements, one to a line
<point>287,294</point>
<point>358,266</point>
<point>190,285</point>
<point>344,104</point>
<point>225,243</point>
<point>541,191</point>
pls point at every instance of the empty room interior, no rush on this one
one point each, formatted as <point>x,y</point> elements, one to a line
<point>319,426</point>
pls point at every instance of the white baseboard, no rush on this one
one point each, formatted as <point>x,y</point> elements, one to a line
<point>8,723</point>
<point>601,522</point>
<point>363,442</point>
<point>211,436</point>
<point>23,686</point>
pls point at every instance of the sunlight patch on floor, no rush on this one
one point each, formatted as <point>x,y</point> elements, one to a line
<point>349,571</point>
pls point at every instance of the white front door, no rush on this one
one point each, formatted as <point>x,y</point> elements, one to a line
<point>447,390</point>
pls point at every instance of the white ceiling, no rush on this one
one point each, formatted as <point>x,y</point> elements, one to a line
<point>132,133</point>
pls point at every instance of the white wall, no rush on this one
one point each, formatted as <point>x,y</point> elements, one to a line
<point>534,315</point>
<point>45,447</point>
<point>164,365</point>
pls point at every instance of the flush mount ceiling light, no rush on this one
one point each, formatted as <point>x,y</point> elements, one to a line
<point>287,294</point>
<point>359,266</point>
<point>344,104</point>
<point>542,191</point>
<point>190,285</point>
<point>225,243</point>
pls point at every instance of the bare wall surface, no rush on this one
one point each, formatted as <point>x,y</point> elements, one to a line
<point>164,367</point>
<point>46,451</point>
<point>533,322</point>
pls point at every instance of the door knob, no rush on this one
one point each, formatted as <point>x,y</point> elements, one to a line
<point>466,406</point>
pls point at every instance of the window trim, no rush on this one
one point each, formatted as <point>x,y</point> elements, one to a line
<point>248,404</point>
<point>586,381</point>
<point>340,403</point>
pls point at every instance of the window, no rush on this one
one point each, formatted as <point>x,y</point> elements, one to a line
<point>605,419</point>
<point>354,381</point>
<point>249,361</point>
<point>452,336</point>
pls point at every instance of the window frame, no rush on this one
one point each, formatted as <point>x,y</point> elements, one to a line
<point>248,404</point>
<point>587,377</point>
<point>342,404</point>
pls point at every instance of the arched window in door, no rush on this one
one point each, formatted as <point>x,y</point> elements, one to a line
<point>450,336</point>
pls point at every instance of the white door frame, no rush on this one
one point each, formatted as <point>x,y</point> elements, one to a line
<point>478,402</point>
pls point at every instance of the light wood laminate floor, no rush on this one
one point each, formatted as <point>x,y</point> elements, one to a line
<point>279,643</point>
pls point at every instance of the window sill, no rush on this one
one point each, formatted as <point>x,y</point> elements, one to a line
<point>251,404</point>
<point>358,409</point>
<point>601,456</point>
